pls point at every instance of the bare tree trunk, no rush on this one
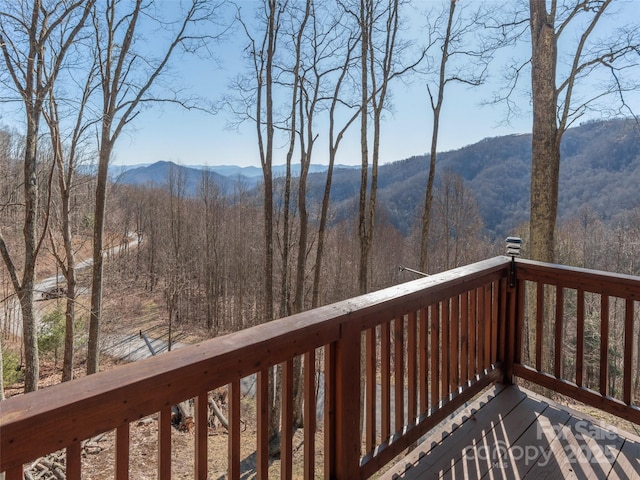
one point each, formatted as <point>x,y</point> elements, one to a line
<point>545,163</point>
<point>363,230</point>
<point>436,106</point>
<point>93,351</point>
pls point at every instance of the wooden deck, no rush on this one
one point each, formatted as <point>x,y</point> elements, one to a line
<point>511,432</point>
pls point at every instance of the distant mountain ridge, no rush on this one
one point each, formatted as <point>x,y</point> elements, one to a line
<point>600,168</point>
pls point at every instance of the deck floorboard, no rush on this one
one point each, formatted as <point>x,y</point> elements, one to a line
<point>511,432</point>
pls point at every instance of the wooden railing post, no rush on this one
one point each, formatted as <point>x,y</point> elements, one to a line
<point>347,407</point>
<point>508,323</point>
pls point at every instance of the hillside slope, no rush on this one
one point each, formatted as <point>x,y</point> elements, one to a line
<point>600,169</point>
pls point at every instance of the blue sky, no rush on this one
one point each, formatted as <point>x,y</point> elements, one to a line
<point>165,132</point>
<point>195,138</point>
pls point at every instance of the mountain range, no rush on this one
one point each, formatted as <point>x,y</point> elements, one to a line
<point>600,169</point>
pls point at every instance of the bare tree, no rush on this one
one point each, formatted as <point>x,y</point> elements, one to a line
<point>126,78</point>
<point>66,159</point>
<point>558,100</point>
<point>460,61</point>
<point>34,41</point>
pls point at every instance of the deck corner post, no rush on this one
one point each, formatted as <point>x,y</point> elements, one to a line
<point>347,407</point>
<point>509,322</point>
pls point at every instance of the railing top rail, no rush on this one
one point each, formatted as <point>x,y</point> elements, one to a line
<point>597,281</point>
<point>101,402</point>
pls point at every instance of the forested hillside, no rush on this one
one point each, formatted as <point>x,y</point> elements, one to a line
<point>600,170</point>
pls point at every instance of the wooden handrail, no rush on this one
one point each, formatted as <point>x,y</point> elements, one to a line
<point>435,342</point>
<point>551,287</point>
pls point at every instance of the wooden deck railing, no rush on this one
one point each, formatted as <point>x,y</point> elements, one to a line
<point>582,327</point>
<point>400,359</point>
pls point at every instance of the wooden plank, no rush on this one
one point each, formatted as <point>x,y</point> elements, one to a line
<point>579,337</point>
<point>398,375</point>
<point>511,333</point>
<point>309,415</point>
<point>385,380</point>
<point>579,449</point>
<point>423,372</point>
<point>519,317</point>
<point>627,464</point>
<point>628,352</point>
<point>446,428</point>
<point>74,461</point>
<point>464,337</point>
<point>473,455</point>
<point>329,426</point>
<point>434,313</point>
<point>473,322</point>
<point>495,315</point>
<point>480,327</point>
<point>202,434</point>
<point>438,454</point>
<point>532,447</point>
<point>286,425</point>
<point>454,361</point>
<point>370,388</point>
<point>412,361</point>
<point>539,325</point>
<point>164,444</point>
<point>488,309</point>
<point>445,348</point>
<point>608,404</point>
<point>387,451</point>
<point>559,333</point>
<point>233,445</point>
<point>348,439</point>
<point>122,452</point>
<point>607,283</point>
<point>262,423</point>
<point>604,344</point>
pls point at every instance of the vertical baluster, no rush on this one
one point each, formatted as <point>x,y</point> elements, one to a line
<point>412,351</point>
<point>435,354</point>
<point>74,460</point>
<point>348,411</point>
<point>464,337</point>
<point>454,363</point>
<point>398,375</point>
<point>286,427</point>
<point>557,363</point>
<point>122,452</point>
<point>309,414</point>
<point>202,435</point>
<point>446,351</point>
<point>385,374</point>
<point>330,410</point>
<point>424,360</point>
<point>502,321</point>
<point>519,319</point>
<point>579,337</point>
<point>604,343</point>
<point>628,351</point>
<point>233,457</point>
<point>262,423</point>
<point>488,316</point>
<point>164,444</point>
<point>480,328</point>
<point>370,393</point>
<point>495,306</point>
<point>473,327</point>
<point>539,324</point>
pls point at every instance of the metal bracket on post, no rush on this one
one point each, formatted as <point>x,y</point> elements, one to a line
<point>514,244</point>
